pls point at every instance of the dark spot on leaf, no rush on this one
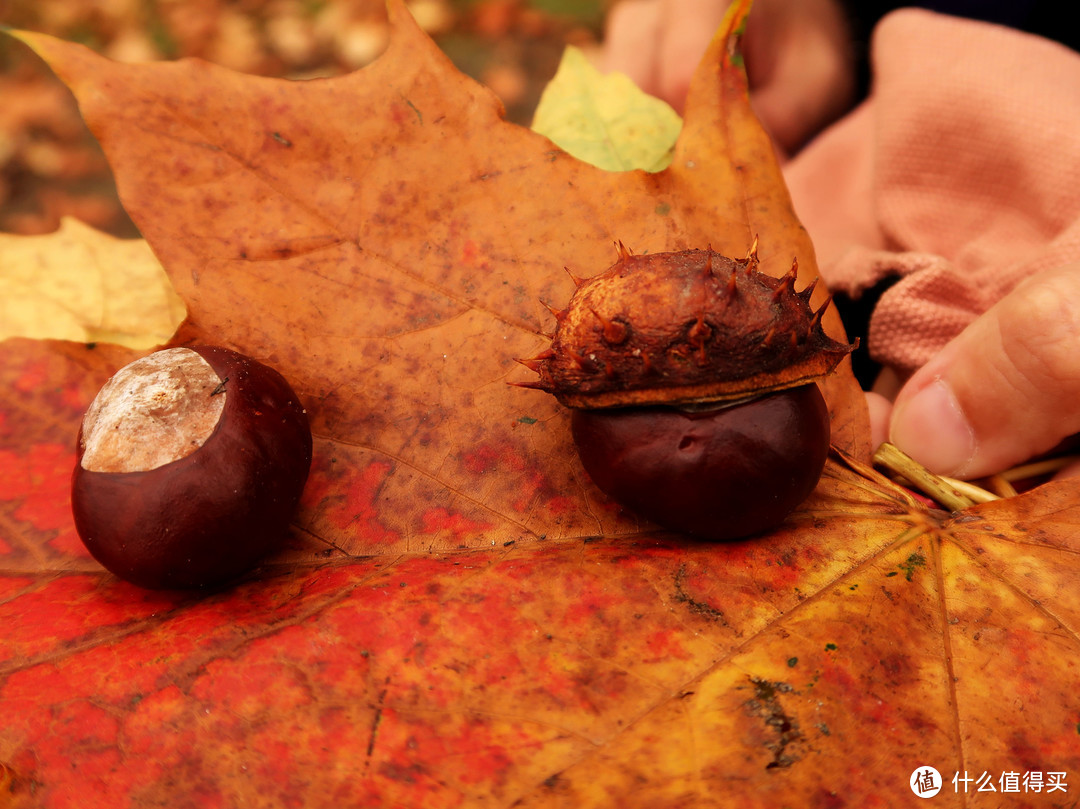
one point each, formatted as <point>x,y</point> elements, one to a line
<point>765,704</point>
<point>699,607</point>
<point>912,562</point>
<point>406,774</point>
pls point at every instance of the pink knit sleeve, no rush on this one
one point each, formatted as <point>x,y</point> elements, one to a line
<point>960,175</point>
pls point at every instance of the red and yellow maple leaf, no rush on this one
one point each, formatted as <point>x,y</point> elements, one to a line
<point>462,619</point>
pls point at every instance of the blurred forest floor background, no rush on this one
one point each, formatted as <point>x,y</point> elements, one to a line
<point>50,165</point>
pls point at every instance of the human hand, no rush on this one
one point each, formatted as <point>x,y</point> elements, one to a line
<point>1004,390</point>
<point>799,61</point>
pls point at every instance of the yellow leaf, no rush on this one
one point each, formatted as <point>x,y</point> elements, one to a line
<point>83,285</point>
<point>605,120</point>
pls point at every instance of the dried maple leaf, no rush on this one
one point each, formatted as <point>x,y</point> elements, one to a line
<point>462,620</point>
<point>393,286</point>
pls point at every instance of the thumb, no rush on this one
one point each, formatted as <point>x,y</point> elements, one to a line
<point>1005,389</point>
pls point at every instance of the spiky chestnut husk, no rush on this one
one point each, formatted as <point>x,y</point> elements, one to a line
<point>190,464</point>
<point>682,327</point>
<point>691,376</point>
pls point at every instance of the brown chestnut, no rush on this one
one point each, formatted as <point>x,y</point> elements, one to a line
<point>190,464</point>
<point>718,473</point>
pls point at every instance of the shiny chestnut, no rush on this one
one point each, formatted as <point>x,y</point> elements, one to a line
<point>190,464</point>
<point>718,473</point>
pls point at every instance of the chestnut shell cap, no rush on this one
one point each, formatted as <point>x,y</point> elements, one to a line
<point>682,327</point>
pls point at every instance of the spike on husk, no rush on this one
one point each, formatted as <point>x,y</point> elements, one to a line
<point>578,281</point>
<point>558,313</point>
<point>807,293</point>
<point>536,363</point>
<point>787,282</point>
<point>612,330</point>
<point>751,254</point>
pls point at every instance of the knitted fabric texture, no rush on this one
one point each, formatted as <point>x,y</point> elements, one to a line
<point>958,174</point>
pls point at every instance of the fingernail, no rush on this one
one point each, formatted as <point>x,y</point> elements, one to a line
<point>932,429</point>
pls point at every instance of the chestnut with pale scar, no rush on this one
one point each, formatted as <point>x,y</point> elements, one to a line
<point>190,464</point>
<point>154,411</point>
<point>691,377</point>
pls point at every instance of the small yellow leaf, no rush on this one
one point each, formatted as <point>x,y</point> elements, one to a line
<point>605,120</point>
<point>83,285</point>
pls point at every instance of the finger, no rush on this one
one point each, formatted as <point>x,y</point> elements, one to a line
<point>688,28</point>
<point>631,41</point>
<point>880,409</point>
<point>801,69</point>
<point>1004,390</point>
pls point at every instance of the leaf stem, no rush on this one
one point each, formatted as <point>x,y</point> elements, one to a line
<point>976,494</point>
<point>1000,485</point>
<point>940,489</point>
<point>1038,468</point>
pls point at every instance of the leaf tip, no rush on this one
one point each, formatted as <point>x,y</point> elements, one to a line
<point>17,33</point>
